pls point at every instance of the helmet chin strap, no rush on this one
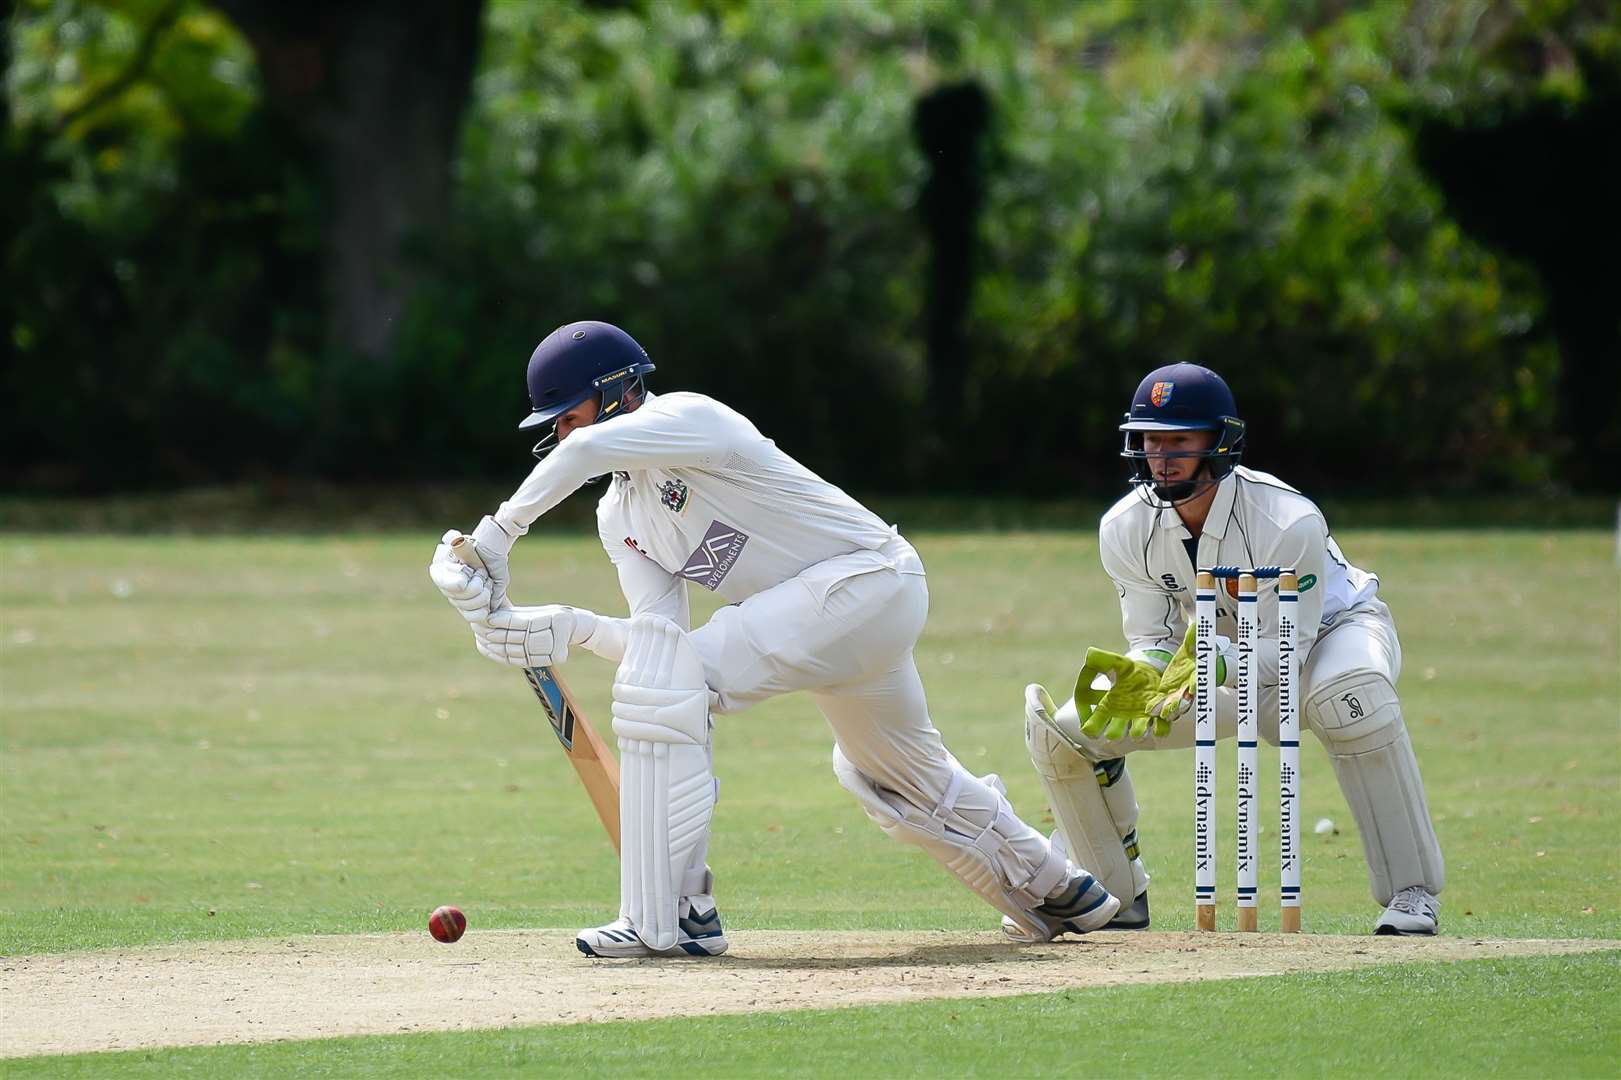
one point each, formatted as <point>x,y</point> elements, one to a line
<point>1176,493</point>
<point>1168,496</point>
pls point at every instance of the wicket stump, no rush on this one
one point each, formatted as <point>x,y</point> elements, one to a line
<point>1248,708</point>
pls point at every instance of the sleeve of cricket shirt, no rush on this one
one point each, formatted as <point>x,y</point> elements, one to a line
<point>648,587</point>
<point>666,432</point>
<point>1150,618</point>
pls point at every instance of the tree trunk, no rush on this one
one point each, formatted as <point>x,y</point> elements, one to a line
<point>950,124</point>
<point>373,91</point>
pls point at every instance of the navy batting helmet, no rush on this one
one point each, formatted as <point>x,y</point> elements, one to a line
<point>575,362</point>
<point>1182,397</point>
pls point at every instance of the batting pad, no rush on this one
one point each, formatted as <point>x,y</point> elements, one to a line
<point>667,783</point>
<point>973,833</point>
<point>1093,833</point>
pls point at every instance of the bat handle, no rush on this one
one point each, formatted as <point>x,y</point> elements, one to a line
<point>465,548</point>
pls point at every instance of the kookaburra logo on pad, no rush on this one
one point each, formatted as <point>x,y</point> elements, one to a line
<point>713,559</point>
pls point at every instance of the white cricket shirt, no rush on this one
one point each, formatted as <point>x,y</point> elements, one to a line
<point>699,495</point>
<point>1256,520</point>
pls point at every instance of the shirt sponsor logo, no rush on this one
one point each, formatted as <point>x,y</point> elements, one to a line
<point>673,494</point>
<point>630,542</point>
<point>714,558</point>
<point>1160,395</point>
<point>1307,582</point>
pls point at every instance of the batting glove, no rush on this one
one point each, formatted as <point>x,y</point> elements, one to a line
<point>533,636</point>
<point>467,590</point>
<point>493,546</point>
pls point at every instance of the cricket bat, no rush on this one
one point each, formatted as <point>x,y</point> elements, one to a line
<point>590,756</point>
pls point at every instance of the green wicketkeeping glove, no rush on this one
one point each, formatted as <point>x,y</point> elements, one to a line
<point>1122,709</point>
<point>1175,692</point>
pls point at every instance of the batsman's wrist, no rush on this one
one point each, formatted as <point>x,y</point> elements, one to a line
<point>607,637</point>
<point>492,538</point>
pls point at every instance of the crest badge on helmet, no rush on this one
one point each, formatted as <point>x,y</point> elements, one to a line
<point>1161,394</point>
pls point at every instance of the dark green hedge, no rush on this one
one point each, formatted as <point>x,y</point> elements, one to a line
<point>749,189</point>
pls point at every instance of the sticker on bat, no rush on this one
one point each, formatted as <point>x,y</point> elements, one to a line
<point>551,699</point>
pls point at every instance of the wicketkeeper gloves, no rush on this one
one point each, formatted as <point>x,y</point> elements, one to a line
<point>1176,685</point>
<point>1122,709</point>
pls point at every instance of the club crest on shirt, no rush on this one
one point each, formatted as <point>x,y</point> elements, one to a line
<point>673,494</point>
<point>715,556</point>
<point>1160,395</point>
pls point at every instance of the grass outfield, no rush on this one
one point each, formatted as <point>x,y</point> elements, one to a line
<point>226,738</point>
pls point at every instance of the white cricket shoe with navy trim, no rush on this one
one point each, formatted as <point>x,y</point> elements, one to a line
<point>1414,910</point>
<point>1081,906</point>
<point>698,933</point>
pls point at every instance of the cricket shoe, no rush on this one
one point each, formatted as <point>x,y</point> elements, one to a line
<point>1081,906</point>
<point>1132,916</point>
<point>698,933</point>
<point>1412,911</point>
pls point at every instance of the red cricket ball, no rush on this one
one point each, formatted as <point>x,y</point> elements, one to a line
<point>447,924</point>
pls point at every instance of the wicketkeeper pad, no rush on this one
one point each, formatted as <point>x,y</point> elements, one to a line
<point>1093,824</point>
<point>667,782</point>
<point>1359,720</point>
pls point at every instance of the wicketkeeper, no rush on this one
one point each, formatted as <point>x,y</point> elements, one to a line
<point>1193,505</point>
<point>822,597</point>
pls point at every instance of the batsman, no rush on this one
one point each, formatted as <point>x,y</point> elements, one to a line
<point>1193,505</point>
<point>822,597</point>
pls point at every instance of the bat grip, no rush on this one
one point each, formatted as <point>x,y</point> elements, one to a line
<point>465,548</point>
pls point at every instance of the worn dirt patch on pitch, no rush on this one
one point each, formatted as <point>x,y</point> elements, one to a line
<point>314,987</point>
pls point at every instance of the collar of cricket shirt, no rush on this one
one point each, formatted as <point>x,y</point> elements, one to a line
<point>1221,510</point>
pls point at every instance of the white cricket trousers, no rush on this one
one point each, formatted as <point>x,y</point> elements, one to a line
<point>844,631</point>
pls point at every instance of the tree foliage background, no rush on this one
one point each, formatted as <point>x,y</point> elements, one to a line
<point>928,246</point>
